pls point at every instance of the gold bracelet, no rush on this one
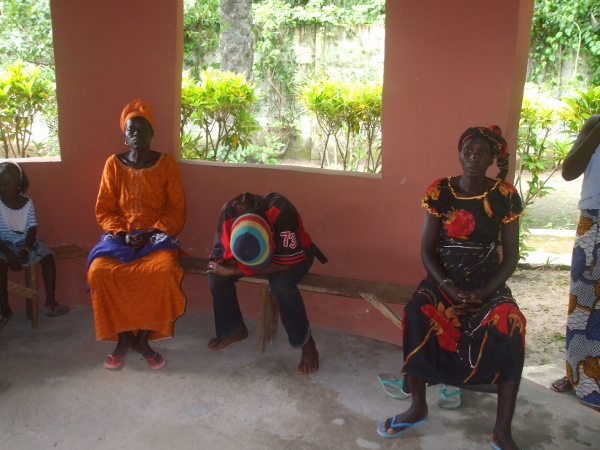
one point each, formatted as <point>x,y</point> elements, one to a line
<point>27,249</point>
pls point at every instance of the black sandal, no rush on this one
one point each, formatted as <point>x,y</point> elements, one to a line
<point>58,310</point>
<point>561,385</point>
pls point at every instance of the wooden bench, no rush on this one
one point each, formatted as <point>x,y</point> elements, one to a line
<point>29,289</point>
<point>380,295</point>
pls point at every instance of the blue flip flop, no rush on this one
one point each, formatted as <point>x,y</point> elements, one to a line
<point>393,386</point>
<point>385,434</point>
<point>494,446</point>
<point>449,400</point>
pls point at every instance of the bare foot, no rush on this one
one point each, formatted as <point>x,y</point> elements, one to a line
<point>309,363</point>
<point>411,415</point>
<point>239,335</point>
<point>505,442</point>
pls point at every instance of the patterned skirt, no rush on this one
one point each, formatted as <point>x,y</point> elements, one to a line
<point>38,250</point>
<point>583,321</point>
<point>487,347</point>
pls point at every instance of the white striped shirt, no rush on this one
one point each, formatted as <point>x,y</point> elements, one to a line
<point>8,215</point>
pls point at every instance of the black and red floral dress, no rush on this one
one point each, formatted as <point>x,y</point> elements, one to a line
<point>487,347</point>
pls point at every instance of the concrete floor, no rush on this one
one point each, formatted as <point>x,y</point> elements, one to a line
<point>54,393</point>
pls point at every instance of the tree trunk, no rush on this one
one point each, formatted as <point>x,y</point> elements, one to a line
<point>236,44</point>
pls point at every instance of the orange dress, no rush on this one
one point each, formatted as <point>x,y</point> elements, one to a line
<point>144,294</point>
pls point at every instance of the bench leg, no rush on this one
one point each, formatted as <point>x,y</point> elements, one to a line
<point>268,316</point>
<point>32,302</point>
<point>384,309</point>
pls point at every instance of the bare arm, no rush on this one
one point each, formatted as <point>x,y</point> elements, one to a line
<point>580,154</point>
<point>23,255</point>
<point>429,239</point>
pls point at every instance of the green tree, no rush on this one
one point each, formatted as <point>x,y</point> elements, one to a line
<point>201,28</point>
<point>26,32</point>
<point>563,30</point>
<point>26,35</point>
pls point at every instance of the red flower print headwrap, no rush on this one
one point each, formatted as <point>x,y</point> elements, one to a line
<point>492,135</point>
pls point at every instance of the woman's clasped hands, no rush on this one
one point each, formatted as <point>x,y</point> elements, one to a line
<point>465,302</point>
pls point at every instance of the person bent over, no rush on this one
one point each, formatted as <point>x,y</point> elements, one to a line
<point>262,235</point>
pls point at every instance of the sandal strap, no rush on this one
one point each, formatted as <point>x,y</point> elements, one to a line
<point>405,424</point>
<point>444,392</point>
<point>399,383</point>
<point>155,358</point>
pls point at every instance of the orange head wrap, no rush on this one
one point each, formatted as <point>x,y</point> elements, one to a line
<point>137,108</point>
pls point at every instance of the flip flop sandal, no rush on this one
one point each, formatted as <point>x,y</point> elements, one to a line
<point>449,400</point>
<point>114,362</point>
<point>58,310</point>
<point>382,431</point>
<point>4,318</point>
<point>156,361</point>
<point>561,385</point>
<point>393,386</point>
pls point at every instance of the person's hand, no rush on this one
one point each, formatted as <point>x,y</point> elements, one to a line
<point>23,256</point>
<point>218,269</point>
<point>463,302</point>
<point>137,242</point>
<point>471,302</point>
<point>13,261</point>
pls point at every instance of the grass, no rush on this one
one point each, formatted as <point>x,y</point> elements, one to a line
<point>560,337</point>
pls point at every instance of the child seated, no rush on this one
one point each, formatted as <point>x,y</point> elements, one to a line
<point>19,246</point>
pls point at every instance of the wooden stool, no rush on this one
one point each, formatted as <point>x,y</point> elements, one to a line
<point>30,289</point>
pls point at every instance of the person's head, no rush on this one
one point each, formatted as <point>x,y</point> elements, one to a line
<point>246,204</point>
<point>490,137</point>
<point>136,123</point>
<point>475,157</point>
<point>13,179</point>
<point>251,241</point>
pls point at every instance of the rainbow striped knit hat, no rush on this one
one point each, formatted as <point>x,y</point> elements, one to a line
<point>251,241</point>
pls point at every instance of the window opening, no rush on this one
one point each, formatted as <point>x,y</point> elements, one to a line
<point>286,82</point>
<point>28,113</point>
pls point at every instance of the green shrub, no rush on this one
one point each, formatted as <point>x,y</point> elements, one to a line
<point>24,92</point>
<point>349,117</point>
<point>547,131</point>
<point>220,104</point>
<point>579,106</point>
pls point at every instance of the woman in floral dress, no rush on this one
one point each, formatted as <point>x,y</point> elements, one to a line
<point>462,326</point>
<point>583,321</point>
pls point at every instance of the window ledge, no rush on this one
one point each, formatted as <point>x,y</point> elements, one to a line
<point>34,159</point>
<point>347,173</point>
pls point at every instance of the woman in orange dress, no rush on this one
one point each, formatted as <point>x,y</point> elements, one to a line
<point>133,273</point>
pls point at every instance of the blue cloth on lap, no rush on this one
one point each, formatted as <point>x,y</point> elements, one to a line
<point>112,246</point>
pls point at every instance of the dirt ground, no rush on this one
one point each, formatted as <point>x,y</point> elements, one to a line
<point>543,296</point>
<point>557,210</point>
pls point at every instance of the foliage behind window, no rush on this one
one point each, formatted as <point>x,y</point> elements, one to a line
<point>564,30</point>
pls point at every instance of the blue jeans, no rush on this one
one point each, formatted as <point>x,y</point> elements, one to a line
<point>283,286</point>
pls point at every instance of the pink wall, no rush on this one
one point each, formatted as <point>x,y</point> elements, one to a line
<point>449,65</point>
